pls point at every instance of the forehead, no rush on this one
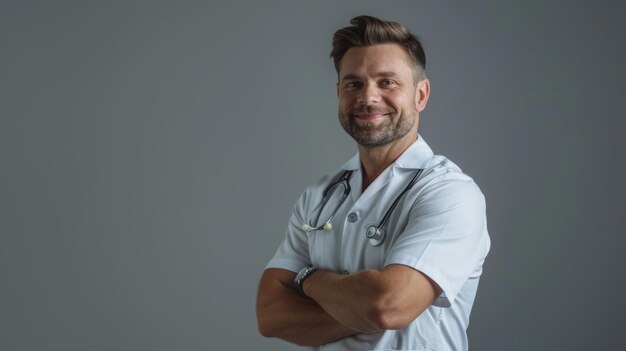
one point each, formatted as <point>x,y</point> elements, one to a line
<point>373,59</point>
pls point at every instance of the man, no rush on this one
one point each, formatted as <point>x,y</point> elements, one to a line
<point>393,259</point>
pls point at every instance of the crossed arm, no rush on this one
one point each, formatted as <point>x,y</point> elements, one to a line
<point>338,305</point>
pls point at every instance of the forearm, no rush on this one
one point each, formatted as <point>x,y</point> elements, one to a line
<point>346,298</point>
<point>372,300</point>
<point>285,314</point>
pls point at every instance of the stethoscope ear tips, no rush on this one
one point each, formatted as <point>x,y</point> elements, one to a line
<point>328,227</point>
<point>306,227</point>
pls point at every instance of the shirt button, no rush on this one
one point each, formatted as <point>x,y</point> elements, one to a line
<point>352,217</point>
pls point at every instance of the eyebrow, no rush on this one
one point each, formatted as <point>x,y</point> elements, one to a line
<point>384,74</point>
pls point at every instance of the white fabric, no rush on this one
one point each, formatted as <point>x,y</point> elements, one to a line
<point>439,228</point>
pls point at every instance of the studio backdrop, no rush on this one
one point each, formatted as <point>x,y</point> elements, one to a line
<point>151,151</point>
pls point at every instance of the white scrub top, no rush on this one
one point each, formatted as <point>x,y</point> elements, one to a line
<point>439,228</point>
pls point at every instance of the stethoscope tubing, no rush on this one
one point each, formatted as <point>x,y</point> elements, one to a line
<point>375,233</point>
<point>397,200</point>
<point>343,180</point>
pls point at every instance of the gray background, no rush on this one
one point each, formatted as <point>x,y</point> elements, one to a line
<point>151,152</point>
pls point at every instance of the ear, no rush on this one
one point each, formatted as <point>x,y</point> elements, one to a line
<point>421,94</point>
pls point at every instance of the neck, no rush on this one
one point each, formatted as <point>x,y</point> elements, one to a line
<point>374,160</point>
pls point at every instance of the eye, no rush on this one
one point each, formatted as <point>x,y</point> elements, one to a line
<point>351,85</point>
<point>387,82</point>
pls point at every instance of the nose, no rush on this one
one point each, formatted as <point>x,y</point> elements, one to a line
<point>369,94</point>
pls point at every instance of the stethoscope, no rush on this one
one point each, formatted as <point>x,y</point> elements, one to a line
<point>375,233</point>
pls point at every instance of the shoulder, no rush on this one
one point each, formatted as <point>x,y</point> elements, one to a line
<point>444,182</point>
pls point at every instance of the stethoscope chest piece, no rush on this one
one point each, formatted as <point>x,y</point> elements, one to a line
<point>375,234</point>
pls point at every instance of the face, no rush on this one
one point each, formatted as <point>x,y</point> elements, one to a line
<point>379,102</point>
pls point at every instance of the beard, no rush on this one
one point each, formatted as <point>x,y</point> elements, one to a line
<point>377,134</point>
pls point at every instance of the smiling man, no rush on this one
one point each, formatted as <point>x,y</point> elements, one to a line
<point>386,251</point>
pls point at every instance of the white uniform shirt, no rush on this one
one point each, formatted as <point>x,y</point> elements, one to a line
<point>439,228</point>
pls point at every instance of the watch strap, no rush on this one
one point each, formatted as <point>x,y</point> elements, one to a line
<point>301,277</point>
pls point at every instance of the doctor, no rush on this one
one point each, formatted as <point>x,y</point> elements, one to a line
<point>334,288</point>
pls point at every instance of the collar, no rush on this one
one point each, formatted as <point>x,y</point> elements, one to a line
<point>416,156</point>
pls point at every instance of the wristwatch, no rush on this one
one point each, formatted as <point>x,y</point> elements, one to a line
<point>301,277</point>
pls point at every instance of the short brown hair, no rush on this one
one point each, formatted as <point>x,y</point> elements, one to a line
<point>368,30</point>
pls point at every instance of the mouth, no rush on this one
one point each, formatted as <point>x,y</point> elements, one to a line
<point>369,116</point>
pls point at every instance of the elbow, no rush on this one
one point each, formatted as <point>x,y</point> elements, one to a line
<point>265,327</point>
<point>269,329</point>
<point>384,315</point>
<point>388,320</point>
<point>265,324</point>
<point>265,331</point>
<point>384,320</point>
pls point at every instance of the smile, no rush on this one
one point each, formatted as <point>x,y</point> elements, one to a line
<point>369,116</point>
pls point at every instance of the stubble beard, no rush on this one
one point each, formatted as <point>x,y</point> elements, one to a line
<point>371,135</point>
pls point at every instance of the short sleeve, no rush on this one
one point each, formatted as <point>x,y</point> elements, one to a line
<point>446,235</point>
<point>293,252</point>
